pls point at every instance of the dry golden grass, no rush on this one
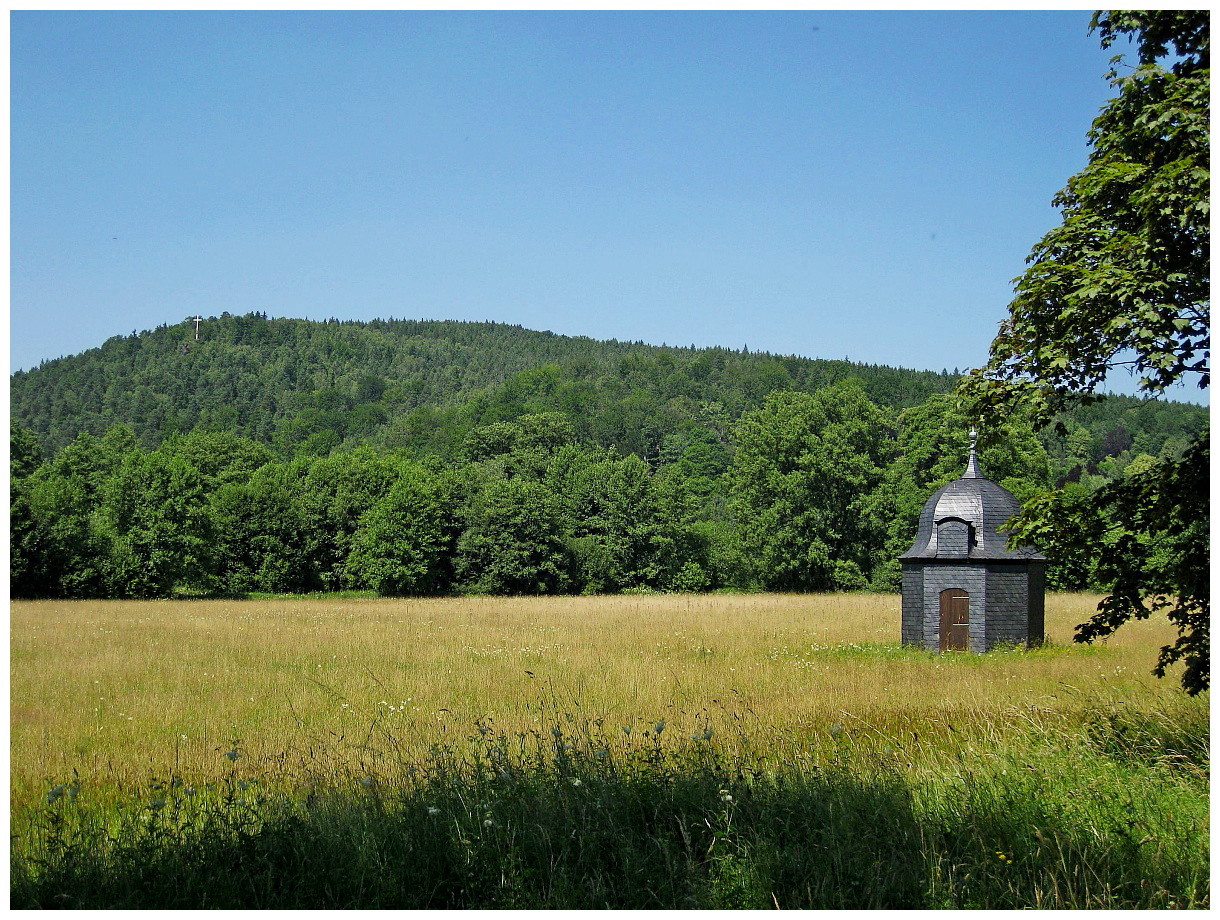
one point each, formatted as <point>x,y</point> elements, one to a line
<point>121,690</point>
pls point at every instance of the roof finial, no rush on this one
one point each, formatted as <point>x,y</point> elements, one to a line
<point>972,465</point>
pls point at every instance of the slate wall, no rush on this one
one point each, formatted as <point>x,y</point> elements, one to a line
<point>912,603</point>
<point>1007,603</point>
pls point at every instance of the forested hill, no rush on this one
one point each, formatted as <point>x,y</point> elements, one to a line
<point>434,458</point>
<point>309,387</point>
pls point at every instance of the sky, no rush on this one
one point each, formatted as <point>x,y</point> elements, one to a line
<point>860,185</point>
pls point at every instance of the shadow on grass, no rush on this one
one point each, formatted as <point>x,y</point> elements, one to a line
<point>561,822</point>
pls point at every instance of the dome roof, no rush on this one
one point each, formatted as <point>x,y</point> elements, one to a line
<point>963,519</point>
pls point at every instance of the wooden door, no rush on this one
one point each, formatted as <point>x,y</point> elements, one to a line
<point>954,620</point>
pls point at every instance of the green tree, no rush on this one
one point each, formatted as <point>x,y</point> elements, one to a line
<point>1124,281</point>
<point>94,460</point>
<point>800,484</point>
<point>219,456</point>
<point>403,545</point>
<point>55,551</point>
<point>332,495</point>
<point>24,451</point>
<point>540,435</point>
<point>58,548</point>
<point>1146,537</point>
<point>700,458</point>
<point>258,530</point>
<point>311,433</point>
<point>153,513</point>
<point>629,528</point>
<point>513,542</point>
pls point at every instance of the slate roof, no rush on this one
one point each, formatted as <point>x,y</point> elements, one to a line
<point>982,504</point>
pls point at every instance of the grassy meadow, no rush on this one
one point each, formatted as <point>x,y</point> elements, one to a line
<point>630,751</point>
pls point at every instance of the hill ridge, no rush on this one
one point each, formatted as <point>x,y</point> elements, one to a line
<point>270,370</point>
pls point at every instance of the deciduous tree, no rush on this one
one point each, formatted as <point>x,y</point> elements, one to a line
<point>153,515</point>
<point>259,537</point>
<point>1124,281</point>
<point>513,542</point>
<point>403,545</point>
<point>804,468</point>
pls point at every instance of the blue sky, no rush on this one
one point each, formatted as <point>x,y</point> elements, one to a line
<point>829,184</point>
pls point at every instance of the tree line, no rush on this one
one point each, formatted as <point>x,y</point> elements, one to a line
<point>806,492</point>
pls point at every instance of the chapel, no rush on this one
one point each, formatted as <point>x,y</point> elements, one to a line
<point>963,589</point>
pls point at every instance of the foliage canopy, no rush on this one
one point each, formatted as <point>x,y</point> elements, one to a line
<point>1124,281</point>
